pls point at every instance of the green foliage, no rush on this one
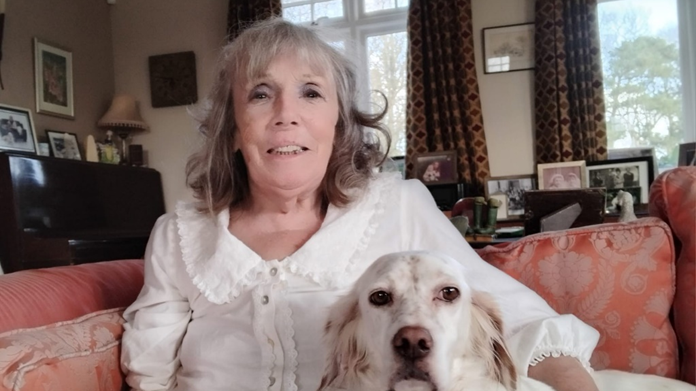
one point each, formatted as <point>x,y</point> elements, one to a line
<point>643,95</point>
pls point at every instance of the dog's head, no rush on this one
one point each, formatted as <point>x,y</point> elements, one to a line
<point>412,322</point>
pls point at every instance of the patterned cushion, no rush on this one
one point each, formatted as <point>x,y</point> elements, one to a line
<point>81,354</point>
<point>673,199</point>
<point>618,278</point>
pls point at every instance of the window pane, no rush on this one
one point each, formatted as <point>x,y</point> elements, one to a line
<point>402,3</point>
<point>387,65</point>
<point>331,9</point>
<point>642,82</point>
<point>283,2</point>
<point>379,5</point>
<point>298,13</point>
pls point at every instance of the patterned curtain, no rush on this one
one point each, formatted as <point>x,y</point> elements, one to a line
<point>242,13</point>
<point>444,106</point>
<point>569,92</point>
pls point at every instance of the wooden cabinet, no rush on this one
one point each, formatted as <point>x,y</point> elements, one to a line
<point>57,212</point>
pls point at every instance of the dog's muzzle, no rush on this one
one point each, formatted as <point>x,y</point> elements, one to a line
<point>412,343</point>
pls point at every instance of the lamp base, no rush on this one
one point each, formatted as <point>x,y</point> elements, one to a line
<point>124,148</point>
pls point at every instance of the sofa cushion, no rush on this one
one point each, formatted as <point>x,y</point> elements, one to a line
<point>81,354</point>
<point>673,199</point>
<point>32,298</point>
<point>618,278</point>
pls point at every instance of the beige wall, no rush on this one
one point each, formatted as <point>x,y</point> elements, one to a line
<point>146,28</point>
<point>507,100</point>
<point>81,26</point>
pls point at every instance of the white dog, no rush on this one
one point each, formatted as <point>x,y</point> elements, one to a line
<point>412,323</point>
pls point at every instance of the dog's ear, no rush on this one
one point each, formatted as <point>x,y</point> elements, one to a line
<point>487,339</point>
<point>347,354</point>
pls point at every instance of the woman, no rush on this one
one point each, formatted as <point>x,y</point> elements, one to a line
<point>290,213</point>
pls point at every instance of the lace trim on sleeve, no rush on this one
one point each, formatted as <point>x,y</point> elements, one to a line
<point>541,353</point>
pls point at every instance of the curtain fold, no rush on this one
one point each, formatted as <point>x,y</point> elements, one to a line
<point>242,13</point>
<point>568,82</point>
<point>443,104</point>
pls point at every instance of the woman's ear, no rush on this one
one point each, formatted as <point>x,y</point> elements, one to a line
<point>487,339</point>
<point>347,355</point>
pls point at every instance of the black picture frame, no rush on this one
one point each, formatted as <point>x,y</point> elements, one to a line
<point>516,40</point>
<point>436,168</point>
<point>597,173</point>
<point>687,154</point>
<point>17,130</point>
<point>64,145</point>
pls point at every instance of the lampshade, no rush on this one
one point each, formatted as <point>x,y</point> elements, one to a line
<point>123,113</point>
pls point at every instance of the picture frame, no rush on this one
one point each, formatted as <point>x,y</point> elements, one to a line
<point>436,168</point>
<point>625,153</point>
<point>17,130</point>
<point>623,174</point>
<point>53,79</point>
<point>508,48</point>
<point>562,175</point>
<point>64,145</point>
<point>687,154</point>
<point>173,79</point>
<point>513,187</point>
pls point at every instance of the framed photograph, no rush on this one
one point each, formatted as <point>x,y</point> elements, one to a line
<point>436,168</point>
<point>63,145</point>
<point>508,48</point>
<point>564,175</point>
<point>514,188</point>
<point>53,77</point>
<point>17,130</point>
<point>625,153</point>
<point>623,174</point>
<point>687,154</point>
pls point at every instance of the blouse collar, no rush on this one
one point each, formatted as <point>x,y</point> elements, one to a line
<point>222,267</point>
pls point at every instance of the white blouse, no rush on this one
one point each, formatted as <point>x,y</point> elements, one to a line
<point>213,315</point>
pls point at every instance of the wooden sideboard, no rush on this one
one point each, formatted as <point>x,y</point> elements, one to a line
<point>56,212</point>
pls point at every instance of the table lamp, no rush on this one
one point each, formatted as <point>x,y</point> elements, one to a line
<point>123,117</point>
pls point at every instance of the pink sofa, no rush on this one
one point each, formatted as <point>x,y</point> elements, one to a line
<point>60,328</point>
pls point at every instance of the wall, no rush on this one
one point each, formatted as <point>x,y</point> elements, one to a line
<point>507,99</point>
<point>64,24</point>
<point>146,28</point>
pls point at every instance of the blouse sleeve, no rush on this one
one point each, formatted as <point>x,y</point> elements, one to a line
<point>533,330</point>
<point>157,320</point>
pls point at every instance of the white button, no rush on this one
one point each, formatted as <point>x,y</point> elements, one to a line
<point>264,300</point>
<point>274,271</point>
<point>272,379</point>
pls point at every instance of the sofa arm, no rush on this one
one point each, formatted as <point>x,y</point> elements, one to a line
<point>673,199</point>
<point>33,298</point>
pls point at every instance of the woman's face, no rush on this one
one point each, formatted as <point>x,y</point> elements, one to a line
<point>286,122</point>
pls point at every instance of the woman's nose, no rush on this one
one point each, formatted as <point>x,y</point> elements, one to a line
<point>286,110</point>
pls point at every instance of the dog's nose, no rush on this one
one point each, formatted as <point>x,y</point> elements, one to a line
<point>412,342</point>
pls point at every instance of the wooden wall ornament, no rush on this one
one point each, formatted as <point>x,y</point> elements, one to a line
<point>173,79</point>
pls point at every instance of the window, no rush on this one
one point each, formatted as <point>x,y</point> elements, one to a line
<point>642,76</point>
<point>378,27</point>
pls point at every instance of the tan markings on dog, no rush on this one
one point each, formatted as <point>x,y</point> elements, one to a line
<point>493,348</point>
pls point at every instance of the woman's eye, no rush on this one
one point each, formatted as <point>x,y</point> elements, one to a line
<point>380,298</point>
<point>259,95</point>
<point>312,94</point>
<point>449,293</point>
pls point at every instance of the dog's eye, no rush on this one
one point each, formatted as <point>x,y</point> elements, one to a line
<point>380,298</point>
<point>449,293</point>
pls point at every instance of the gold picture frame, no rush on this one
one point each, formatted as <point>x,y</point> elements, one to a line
<point>53,78</point>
